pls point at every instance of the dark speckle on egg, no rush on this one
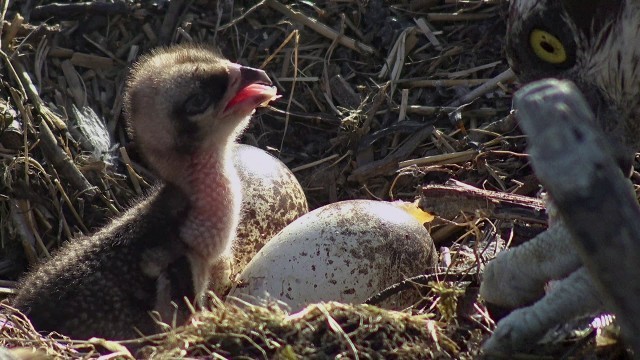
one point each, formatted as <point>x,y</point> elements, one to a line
<point>272,198</point>
<point>359,248</point>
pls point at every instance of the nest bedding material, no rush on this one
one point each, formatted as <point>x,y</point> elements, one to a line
<point>378,99</point>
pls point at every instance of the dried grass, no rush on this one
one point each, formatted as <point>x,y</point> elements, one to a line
<point>378,99</point>
<point>330,330</point>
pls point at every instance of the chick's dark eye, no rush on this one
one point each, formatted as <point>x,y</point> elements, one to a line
<point>197,103</point>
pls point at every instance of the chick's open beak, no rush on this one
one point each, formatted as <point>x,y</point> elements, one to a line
<point>253,89</point>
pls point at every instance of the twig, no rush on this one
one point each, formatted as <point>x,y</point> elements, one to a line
<point>62,162</point>
<point>444,82</point>
<point>61,11</point>
<point>85,58</point>
<point>487,85</point>
<point>133,176</point>
<point>26,86</point>
<point>424,28</point>
<point>3,14</point>
<point>391,162</point>
<point>16,23</point>
<point>315,163</point>
<point>320,28</point>
<point>309,165</point>
<point>410,284</point>
<point>456,197</point>
<point>170,20</point>
<point>23,229</point>
<point>467,72</point>
<point>434,110</point>
<point>66,199</point>
<point>244,15</point>
<point>454,158</point>
<point>444,17</point>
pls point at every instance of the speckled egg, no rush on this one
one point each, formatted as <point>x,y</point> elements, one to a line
<point>345,251</point>
<point>271,199</point>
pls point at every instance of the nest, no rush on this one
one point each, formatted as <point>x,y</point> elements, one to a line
<point>380,100</point>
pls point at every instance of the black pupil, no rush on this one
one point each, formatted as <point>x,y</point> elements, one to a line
<point>547,47</point>
<point>197,103</point>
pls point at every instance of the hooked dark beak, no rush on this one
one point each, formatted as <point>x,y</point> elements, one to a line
<point>250,76</point>
<point>252,88</point>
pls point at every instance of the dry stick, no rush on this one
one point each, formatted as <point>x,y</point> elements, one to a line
<point>396,58</point>
<point>445,82</point>
<point>351,26</point>
<point>40,58</point>
<point>455,197</point>
<point>326,90</point>
<point>293,87</point>
<point>3,14</point>
<point>132,173</point>
<point>49,145</point>
<point>93,61</point>
<point>420,280</point>
<point>277,51</point>
<point>467,72</point>
<point>315,163</point>
<point>597,203</point>
<point>446,17</point>
<point>74,83</point>
<point>487,86</point>
<point>320,28</point>
<point>16,23</point>
<point>70,205</point>
<point>434,110</point>
<point>123,50</point>
<point>244,15</point>
<point>424,28</point>
<point>170,20</point>
<point>151,35</point>
<point>27,238</point>
<point>26,213</point>
<point>31,162</point>
<point>454,51</point>
<point>453,158</point>
<point>62,11</point>
<point>28,33</point>
<point>104,50</point>
<point>389,164</point>
<point>18,99</point>
<point>4,291</point>
<point>26,86</point>
<point>318,162</point>
<point>62,162</point>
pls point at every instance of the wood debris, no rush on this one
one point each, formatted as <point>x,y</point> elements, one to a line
<point>380,100</point>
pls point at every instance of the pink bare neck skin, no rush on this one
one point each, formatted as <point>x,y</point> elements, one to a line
<point>215,197</point>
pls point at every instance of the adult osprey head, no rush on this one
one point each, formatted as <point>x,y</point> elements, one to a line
<point>594,43</point>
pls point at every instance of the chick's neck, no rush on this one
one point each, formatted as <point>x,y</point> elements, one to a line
<point>213,188</point>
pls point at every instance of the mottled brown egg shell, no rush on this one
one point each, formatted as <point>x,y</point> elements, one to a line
<point>272,198</point>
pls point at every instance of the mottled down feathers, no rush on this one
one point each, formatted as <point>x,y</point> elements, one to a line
<point>159,253</point>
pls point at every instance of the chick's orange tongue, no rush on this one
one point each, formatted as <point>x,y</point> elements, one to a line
<point>254,90</point>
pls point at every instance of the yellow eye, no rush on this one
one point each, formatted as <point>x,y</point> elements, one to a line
<point>547,47</point>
